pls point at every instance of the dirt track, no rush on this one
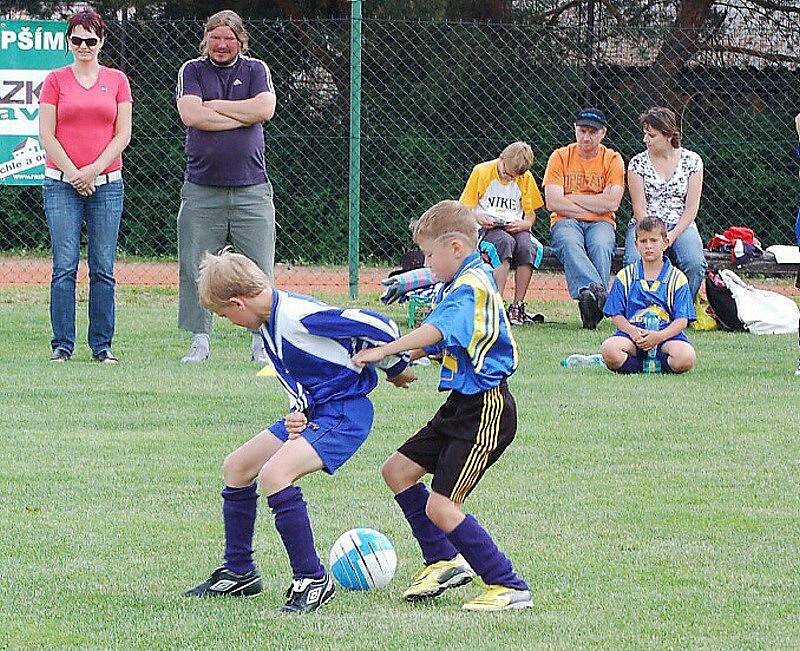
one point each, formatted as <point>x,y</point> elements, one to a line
<point>306,279</point>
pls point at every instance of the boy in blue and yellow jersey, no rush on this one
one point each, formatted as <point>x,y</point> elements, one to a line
<point>650,287</point>
<point>469,329</point>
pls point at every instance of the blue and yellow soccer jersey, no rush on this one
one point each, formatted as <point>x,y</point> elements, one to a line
<point>478,351</point>
<point>633,296</point>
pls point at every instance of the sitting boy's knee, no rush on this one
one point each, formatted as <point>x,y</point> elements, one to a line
<point>683,361</point>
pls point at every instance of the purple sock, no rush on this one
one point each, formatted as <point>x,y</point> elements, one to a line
<point>432,541</point>
<point>630,365</point>
<point>294,527</point>
<point>239,515</point>
<point>665,367</point>
<point>483,556</point>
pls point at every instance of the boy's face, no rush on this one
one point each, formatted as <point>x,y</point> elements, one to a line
<point>442,257</point>
<point>651,245</point>
<point>241,312</point>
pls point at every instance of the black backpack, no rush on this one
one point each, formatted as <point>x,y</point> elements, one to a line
<point>722,304</point>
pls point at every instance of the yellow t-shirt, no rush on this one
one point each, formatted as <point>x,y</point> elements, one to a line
<point>505,202</point>
<point>578,176</point>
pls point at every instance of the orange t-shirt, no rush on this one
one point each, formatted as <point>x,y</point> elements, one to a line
<point>579,176</point>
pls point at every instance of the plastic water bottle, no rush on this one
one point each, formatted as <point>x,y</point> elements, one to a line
<point>583,361</point>
<point>651,363</point>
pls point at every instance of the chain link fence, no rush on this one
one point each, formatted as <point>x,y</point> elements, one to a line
<point>437,98</point>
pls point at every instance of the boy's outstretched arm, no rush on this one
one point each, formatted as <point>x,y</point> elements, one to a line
<point>425,335</point>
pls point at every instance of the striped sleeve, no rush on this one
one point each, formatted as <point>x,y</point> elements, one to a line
<point>469,317</point>
<point>679,297</point>
<point>188,81</point>
<point>617,301</point>
<point>368,327</point>
<point>261,77</point>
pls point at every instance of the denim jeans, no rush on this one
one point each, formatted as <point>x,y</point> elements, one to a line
<point>585,249</point>
<point>66,211</point>
<point>686,253</point>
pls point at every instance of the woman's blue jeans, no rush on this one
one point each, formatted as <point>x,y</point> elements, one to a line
<point>66,211</point>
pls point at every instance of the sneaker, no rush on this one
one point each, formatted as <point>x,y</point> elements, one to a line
<point>199,351</point>
<point>590,313</point>
<point>105,357</point>
<point>432,580</point>
<point>306,595</point>
<point>223,583</point>
<point>516,314</point>
<point>499,597</point>
<point>60,355</point>
<point>258,353</point>
<point>797,372</point>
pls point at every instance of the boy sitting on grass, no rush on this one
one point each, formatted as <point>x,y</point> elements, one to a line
<point>310,345</point>
<point>650,286</point>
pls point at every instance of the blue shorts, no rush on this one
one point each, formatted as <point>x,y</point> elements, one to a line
<point>336,429</point>
<point>681,336</point>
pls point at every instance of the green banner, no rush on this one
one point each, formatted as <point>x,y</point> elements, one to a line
<point>29,49</point>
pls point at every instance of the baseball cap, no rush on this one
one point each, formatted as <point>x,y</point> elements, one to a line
<point>590,117</point>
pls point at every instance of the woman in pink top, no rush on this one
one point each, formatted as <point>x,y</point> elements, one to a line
<point>84,125</point>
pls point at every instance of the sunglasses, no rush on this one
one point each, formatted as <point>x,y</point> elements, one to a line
<point>77,41</point>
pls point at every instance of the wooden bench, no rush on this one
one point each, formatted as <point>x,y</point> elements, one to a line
<point>764,266</point>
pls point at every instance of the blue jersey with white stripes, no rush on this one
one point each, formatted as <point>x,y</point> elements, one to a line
<point>310,345</point>
<point>477,348</point>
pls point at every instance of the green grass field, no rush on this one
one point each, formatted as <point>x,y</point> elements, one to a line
<point>659,512</point>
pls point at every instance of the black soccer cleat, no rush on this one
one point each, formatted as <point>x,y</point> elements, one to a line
<point>224,583</point>
<point>587,304</point>
<point>306,595</point>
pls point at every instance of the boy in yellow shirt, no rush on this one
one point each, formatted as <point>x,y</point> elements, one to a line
<point>505,197</point>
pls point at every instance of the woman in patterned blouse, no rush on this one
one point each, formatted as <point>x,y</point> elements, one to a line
<point>665,182</point>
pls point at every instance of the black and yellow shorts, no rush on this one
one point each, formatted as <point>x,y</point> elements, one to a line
<point>466,436</point>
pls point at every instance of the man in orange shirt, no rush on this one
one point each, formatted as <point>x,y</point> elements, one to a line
<point>583,186</point>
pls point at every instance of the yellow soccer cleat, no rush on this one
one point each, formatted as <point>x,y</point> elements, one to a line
<point>434,579</point>
<point>499,597</point>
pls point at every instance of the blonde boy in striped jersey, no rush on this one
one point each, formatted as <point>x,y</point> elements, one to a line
<point>469,329</point>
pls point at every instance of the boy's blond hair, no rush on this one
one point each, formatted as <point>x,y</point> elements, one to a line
<point>447,219</point>
<point>518,157</point>
<point>227,275</point>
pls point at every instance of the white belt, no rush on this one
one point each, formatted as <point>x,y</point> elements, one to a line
<point>101,179</point>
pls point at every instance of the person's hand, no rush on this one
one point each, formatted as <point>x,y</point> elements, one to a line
<point>404,379</point>
<point>638,337</point>
<point>485,221</point>
<point>671,237</point>
<point>88,191</point>
<point>368,356</point>
<point>649,340</point>
<point>83,179</point>
<point>517,226</point>
<point>295,422</point>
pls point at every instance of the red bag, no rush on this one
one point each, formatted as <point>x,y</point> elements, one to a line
<point>729,237</point>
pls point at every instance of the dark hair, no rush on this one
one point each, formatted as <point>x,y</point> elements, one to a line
<point>90,20</point>
<point>664,120</point>
<point>650,225</point>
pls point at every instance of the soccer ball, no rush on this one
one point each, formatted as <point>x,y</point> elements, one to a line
<point>362,559</point>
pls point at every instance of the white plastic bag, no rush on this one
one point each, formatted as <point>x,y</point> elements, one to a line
<point>761,311</point>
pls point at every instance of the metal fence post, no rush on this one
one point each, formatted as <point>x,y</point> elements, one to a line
<point>354,180</point>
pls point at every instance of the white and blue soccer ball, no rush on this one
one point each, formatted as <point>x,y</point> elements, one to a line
<point>362,559</point>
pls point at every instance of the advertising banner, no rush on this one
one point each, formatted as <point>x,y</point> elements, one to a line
<point>29,49</point>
